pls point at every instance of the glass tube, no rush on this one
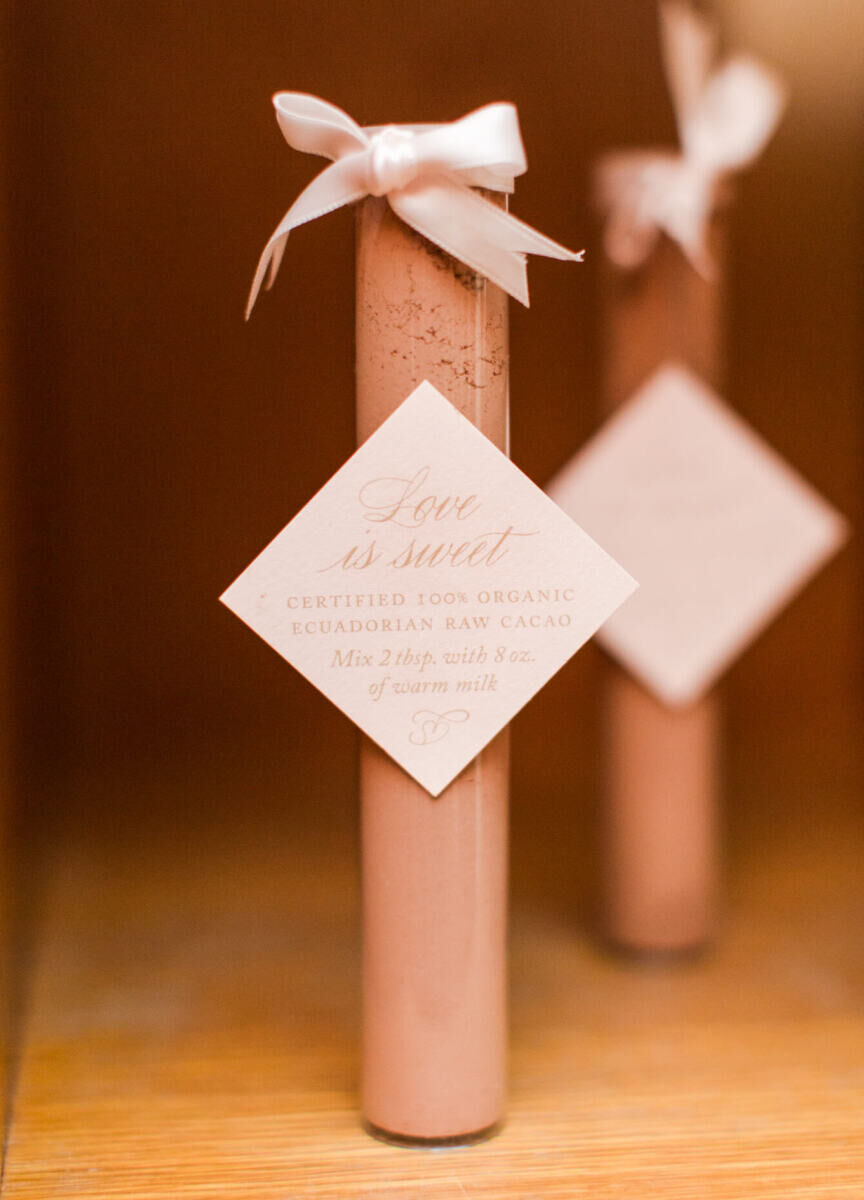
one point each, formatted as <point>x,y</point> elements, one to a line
<point>434,869</point>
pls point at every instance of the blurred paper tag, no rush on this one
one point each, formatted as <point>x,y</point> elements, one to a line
<point>718,530</point>
<point>429,589</point>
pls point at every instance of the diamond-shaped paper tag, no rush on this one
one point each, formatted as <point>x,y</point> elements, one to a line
<point>718,530</point>
<point>429,589</point>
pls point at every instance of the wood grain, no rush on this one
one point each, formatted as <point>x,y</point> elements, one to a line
<point>193,1030</point>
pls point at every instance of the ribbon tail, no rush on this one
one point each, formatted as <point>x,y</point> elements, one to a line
<point>337,185</point>
<point>276,261</point>
<point>477,232</point>
<point>264,265</point>
<point>628,243</point>
<point>509,231</point>
<point>699,256</point>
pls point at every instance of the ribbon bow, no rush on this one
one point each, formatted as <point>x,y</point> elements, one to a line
<point>724,118</point>
<point>426,173</point>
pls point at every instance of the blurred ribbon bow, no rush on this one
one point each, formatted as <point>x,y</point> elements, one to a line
<point>724,117</point>
<point>426,173</point>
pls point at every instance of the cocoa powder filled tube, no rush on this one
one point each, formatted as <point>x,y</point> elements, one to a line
<point>434,869</point>
<point>660,819</point>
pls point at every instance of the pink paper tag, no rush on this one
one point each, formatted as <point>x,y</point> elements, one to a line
<point>429,589</point>
<point>718,530</point>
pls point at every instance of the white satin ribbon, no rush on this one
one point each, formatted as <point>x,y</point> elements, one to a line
<point>427,174</point>
<point>724,116</point>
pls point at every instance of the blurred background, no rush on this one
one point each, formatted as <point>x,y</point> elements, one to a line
<point>157,442</point>
<point>153,443</point>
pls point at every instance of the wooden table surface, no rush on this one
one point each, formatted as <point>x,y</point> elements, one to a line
<point>192,1018</point>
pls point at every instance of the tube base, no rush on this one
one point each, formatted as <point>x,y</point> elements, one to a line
<point>408,1142</point>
